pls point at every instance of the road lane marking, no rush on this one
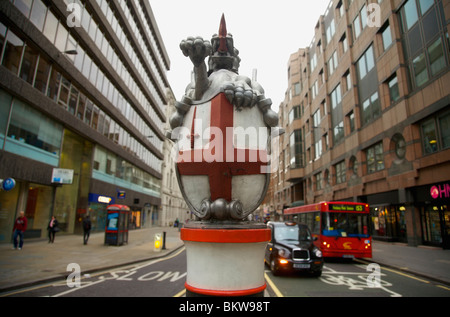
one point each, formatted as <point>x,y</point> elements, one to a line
<point>272,285</point>
<point>397,272</point>
<point>180,294</point>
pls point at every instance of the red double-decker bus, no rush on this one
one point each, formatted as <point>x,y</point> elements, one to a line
<point>341,228</point>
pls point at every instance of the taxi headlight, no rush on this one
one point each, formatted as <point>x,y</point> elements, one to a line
<point>318,253</point>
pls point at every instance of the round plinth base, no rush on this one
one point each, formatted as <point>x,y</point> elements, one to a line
<point>225,262</point>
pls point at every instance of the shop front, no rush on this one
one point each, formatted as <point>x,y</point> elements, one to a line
<point>35,200</point>
<point>388,216</point>
<point>389,223</point>
<point>97,211</point>
<point>433,202</point>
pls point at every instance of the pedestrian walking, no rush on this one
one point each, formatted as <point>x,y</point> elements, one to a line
<point>20,225</point>
<point>86,229</point>
<point>52,229</point>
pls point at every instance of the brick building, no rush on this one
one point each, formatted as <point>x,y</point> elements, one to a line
<point>367,118</point>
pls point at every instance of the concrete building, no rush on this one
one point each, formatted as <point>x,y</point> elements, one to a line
<point>82,112</point>
<point>367,118</point>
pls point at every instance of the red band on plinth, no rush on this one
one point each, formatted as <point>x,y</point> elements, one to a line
<point>209,292</point>
<point>226,235</point>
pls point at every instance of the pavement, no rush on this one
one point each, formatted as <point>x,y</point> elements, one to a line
<point>40,261</point>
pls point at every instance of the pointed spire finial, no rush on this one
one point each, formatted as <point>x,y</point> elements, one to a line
<point>223,35</point>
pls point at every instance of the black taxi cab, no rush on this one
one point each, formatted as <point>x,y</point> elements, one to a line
<point>291,248</point>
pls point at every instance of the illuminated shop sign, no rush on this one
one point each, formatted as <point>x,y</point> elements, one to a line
<point>440,191</point>
<point>102,199</point>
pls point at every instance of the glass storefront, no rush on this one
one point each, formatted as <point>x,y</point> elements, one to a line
<point>8,207</point>
<point>388,223</point>
<point>35,200</point>
<point>436,225</point>
<point>76,154</point>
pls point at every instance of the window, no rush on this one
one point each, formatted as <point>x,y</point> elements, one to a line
<point>51,25</point>
<point>366,63</point>
<point>319,181</point>
<point>340,172</point>
<point>331,29</point>
<point>386,36</point>
<point>30,127</point>
<point>297,89</point>
<point>5,107</point>
<point>436,133</point>
<point>371,108</point>
<point>28,64</point>
<point>360,22</point>
<point>436,55</point>
<point>318,149</point>
<point>393,89</point>
<point>425,5</point>
<point>42,72</point>
<point>314,90</point>
<point>410,14</point>
<point>344,43</point>
<point>332,63</point>
<point>375,158</point>
<point>420,70</point>
<point>351,121</point>
<point>24,6</point>
<point>429,137</point>
<point>444,124</point>
<point>296,149</point>
<point>12,52</point>
<point>426,39</point>
<point>348,80</point>
<point>336,96</point>
<point>294,114</point>
<point>38,12</point>
<point>336,114</point>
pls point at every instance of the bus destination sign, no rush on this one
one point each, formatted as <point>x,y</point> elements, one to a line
<point>342,207</point>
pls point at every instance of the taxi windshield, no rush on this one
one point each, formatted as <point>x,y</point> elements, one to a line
<point>292,233</point>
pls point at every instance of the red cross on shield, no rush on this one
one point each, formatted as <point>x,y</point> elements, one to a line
<point>215,167</point>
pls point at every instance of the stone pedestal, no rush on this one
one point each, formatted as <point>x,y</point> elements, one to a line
<point>225,259</point>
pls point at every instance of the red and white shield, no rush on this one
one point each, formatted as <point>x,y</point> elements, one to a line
<point>223,159</point>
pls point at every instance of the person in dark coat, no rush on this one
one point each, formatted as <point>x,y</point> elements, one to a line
<point>52,229</point>
<point>86,229</point>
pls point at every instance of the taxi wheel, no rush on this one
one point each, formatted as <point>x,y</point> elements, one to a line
<point>273,266</point>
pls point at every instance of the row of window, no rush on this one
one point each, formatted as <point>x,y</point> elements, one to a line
<point>118,170</point>
<point>435,136</point>
<point>25,61</point>
<point>67,94</point>
<point>374,162</point>
<point>27,132</point>
<point>63,40</point>
<point>370,103</point>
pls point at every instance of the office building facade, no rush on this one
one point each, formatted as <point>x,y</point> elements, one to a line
<point>367,118</point>
<point>82,111</point>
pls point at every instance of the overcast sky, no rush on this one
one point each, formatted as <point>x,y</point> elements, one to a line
<point>266,33</point>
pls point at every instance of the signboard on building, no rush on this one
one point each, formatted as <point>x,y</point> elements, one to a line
<point>62,176</point>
